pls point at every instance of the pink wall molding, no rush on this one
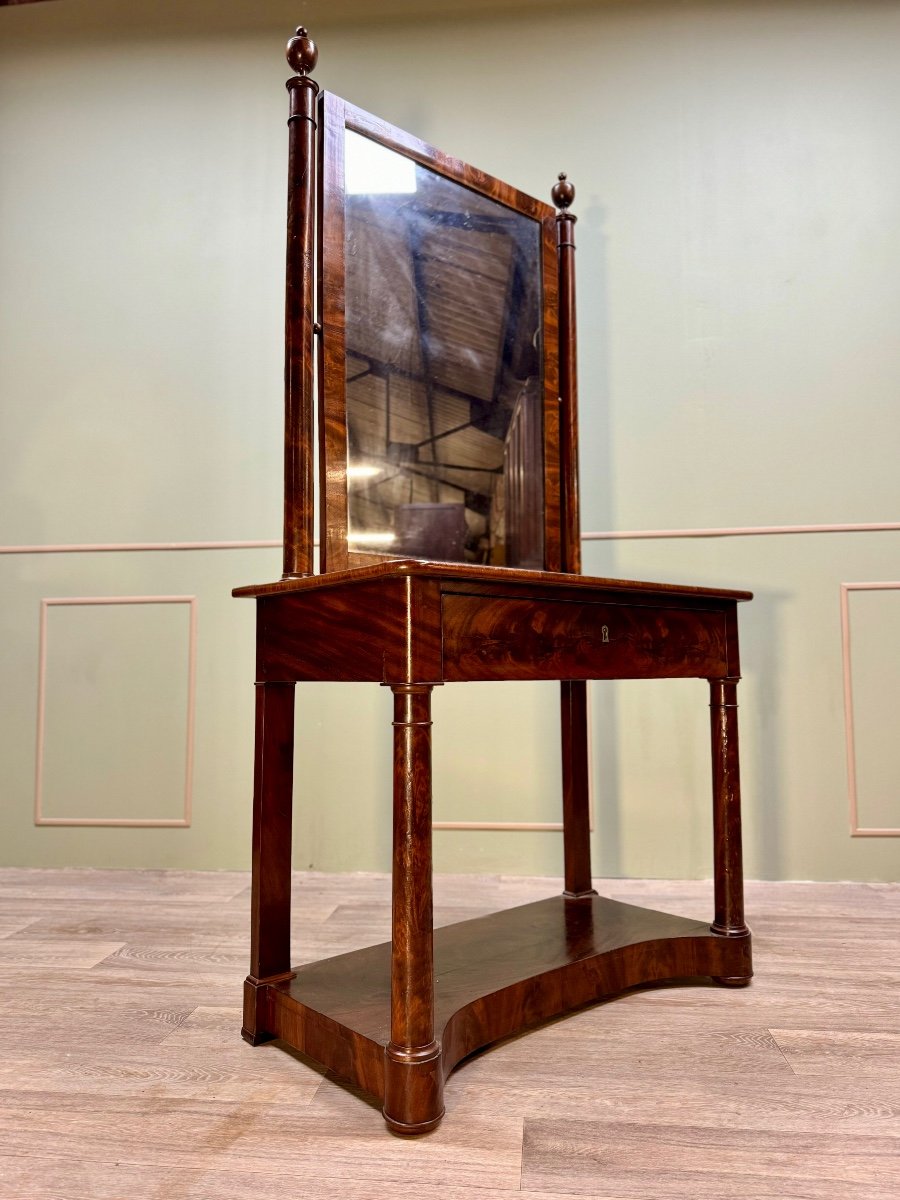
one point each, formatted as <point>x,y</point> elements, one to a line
<point>846,589</point>
<point>741,531</point>
<point>588,536</point>
<point>132,547</point>
<point>140,822</point>
<point>532,826</point>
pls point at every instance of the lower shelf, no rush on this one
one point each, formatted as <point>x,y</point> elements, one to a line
<point>494,976</point>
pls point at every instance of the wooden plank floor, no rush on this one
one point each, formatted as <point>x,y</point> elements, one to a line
<point>123,1074</point>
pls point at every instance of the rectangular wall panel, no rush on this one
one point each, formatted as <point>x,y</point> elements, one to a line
<point>871,624</point>
<point>115,711</point>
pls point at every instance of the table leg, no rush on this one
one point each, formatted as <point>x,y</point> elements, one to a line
<point>576,788</point>
<point>270,905</point>
<point>413,1084</point>
<point>727,863</point>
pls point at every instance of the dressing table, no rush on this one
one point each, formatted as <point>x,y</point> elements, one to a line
<point>431,366</point>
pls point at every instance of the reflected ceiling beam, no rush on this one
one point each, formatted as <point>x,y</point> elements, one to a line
<point>514,284</point>
<point>446,433</point>
<point>381,368</point>
<point>425,471</point>
<point>449,466</point>
<point>414,241</point>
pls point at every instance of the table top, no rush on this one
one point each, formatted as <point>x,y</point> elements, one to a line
<point>482,575</point>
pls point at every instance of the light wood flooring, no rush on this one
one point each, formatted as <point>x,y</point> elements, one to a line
<point>123,1074</point>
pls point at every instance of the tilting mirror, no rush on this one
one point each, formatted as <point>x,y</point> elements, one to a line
<point>444,350</point>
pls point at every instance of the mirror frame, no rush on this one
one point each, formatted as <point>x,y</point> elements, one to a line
<point>336,115</point>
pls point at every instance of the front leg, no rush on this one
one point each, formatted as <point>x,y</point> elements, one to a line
<point>413,1076</point>
<point>728,868</point>
<point>270,906</point>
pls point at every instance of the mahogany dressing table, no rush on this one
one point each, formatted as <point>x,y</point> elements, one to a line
<point>439,305</point>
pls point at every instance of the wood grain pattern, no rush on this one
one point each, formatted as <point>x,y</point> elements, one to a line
<point>542,638</point>
<point>552,348</point>
<point>21,953</point>
<point>844,1052</point>
<point>299,398</point>
<point>563,195</point>
<point>493,976</point>
<point>655,1161</point>
<point>413,1081</point>
<point>395,1019</point>
<point>413,625</point>
<point>576,787</point>
<point>495,580</point>
<point>665,1092</point>
<point>727,855</point>
<point>426,622</point>
<point>270,899</point>
<point>385,631</point>
<point>333,510</point>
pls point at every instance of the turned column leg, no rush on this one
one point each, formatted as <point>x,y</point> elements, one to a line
<point>727,861</point>
<point>575,788</point>
<point>270,905</point>
<point>413,1083</point>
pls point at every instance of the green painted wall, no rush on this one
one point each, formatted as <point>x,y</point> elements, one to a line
<point>739,282</point>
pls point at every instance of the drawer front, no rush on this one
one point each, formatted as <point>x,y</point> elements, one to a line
<point>488,637</point>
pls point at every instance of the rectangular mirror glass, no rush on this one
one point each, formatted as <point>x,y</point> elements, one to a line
<point>444,366</point>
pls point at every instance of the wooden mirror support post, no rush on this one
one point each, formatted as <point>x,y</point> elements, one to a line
<point>396,1018</point>
<point>573,692</point>
<point>299,396</point>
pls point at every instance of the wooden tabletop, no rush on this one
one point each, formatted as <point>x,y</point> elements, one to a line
<point>392,568</point>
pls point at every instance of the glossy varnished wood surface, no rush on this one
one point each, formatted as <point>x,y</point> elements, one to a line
<point>299,396</point>
<point>500,974</point>
<point>493,579</point>
<point>534,638</point>
<point>409,621</point>
<point>412,625</point>
<point>121,1075</point>
<point>384,631</point>
<point>570,508</point>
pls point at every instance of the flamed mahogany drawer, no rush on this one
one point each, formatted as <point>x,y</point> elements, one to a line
<point>489,637</point>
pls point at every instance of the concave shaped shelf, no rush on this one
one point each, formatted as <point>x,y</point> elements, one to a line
<point>495,976</point>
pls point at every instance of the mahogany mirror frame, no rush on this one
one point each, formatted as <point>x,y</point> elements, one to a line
<point>335,116</point>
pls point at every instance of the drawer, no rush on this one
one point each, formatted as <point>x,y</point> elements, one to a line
<point>490,637</point>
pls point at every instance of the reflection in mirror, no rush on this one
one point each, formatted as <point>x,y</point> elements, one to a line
<point>444,371</point>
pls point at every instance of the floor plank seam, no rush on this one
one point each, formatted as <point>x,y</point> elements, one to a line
<point>777,1044</point>
<point>521,1155</point>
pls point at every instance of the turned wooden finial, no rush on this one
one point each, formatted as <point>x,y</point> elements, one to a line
<point>302,52</point>
<point>563,192</point>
